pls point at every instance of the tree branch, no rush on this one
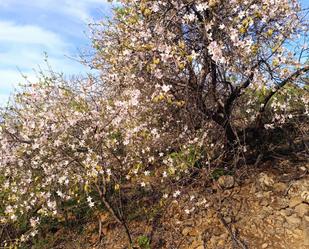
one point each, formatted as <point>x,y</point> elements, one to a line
<point>292,77</point>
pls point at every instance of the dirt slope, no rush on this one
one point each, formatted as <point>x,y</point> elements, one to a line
<point>255,208</point>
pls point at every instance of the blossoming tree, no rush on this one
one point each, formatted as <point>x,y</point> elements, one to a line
<point>204,54</point>
<point>174,78</point>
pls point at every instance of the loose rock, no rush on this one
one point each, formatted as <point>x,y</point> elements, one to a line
<point>302,209</point>
<point>226,182</point>
<point>293,221</point>
<point>280,187</point>
<point>305,196</point>
<point>266,182</point>
<point>189,231</point>
<point>295,201</point>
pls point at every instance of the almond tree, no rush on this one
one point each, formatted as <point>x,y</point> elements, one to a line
<point>175,77</point>
<point>206,54</point>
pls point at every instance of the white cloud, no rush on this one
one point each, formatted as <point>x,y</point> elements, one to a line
<point>23,52</point>
<point>25,59</point>
<point>78,9</point>
<point>29,34</point>
<point>22,46</point>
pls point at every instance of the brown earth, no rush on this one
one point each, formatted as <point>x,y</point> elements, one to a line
<point>265,207</point>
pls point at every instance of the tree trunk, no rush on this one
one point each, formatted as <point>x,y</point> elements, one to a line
<point>231,137</point>
<point>224,122</point>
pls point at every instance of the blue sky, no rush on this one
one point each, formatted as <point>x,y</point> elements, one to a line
<point>28,28</point>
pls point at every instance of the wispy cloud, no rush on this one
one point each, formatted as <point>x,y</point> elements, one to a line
<point>24,47</point>
<point>29,34</point>
<point>30,28</point>
<point>79,9</point>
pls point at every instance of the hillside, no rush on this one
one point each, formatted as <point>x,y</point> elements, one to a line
<point>264,207</point>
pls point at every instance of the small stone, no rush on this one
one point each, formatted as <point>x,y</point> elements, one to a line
<point>279,204</point>
<point>302,209</point>
<point>189,231</point>
<point>226,181</point>
<point>265,245</point>
<point>305,196</point>
<point>266,182</point>
<point>295,201</point>
<point>286,212</point>
<point>264,202</point>
<point>280,187</point>
<point>186,231</point>
<point>293,221</point>
<point>227,219</point>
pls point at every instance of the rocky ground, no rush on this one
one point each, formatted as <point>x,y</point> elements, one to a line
<point>265,207</point>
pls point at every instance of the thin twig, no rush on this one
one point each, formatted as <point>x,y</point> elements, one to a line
<point>233,235</point>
